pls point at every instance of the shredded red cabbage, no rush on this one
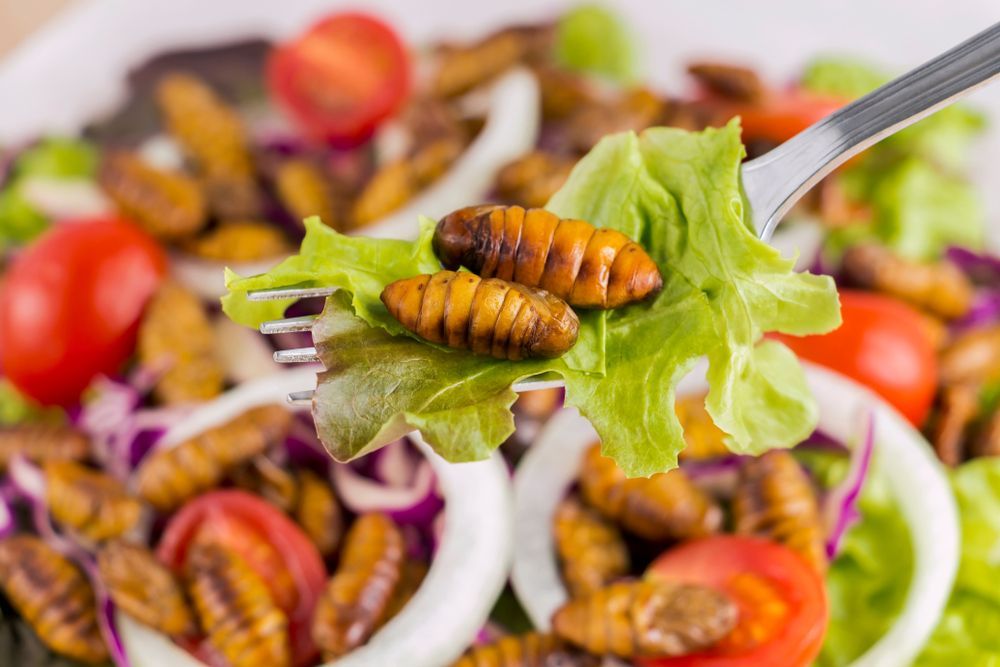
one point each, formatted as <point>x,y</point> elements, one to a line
<point>840,506</point>
<point>981,267</point>
<point>985,310</point>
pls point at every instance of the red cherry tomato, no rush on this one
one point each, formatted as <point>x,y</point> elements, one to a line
<point>783,114</point>
<point>271,544</point>
<point>781,600</point>
<point>883,343</point>
<point>343,77</point>
<point>71,305</point>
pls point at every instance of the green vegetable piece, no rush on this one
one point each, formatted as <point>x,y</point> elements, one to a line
<point>20,222</point>
<point>592,39</point>
<point>59,158</point>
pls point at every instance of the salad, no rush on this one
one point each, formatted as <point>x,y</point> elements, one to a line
<point>491,213</point>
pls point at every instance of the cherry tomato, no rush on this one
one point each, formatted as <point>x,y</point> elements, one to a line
<point>883,343</point>
<point>343,77</point>
<point>271,544</point>
<point>783,114</point>
<point>781,600</point>
<point>71,305</point>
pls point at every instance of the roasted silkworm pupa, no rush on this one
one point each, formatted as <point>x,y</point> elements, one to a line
<point>143,588</point>
<point>240,241</point>
<point>236,610</point>
<point>590,548</point>
<point>319,513</point>
<point>169,477</point>
<point>305,191</point>
<point>268,480</point>
<point>357,596</point>
<point>646,619</point>
<point>572,259</point>
<point>489,317</point>
<point>531,649</point>
<point>53,596</point>
<point>42,442</point>
<point>774,499</point>
<point>90,502</point>
<point>664,506</point>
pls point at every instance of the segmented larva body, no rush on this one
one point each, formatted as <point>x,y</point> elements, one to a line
<point>572,259</point>
<point>663,506</point>
<point>646,619</point>
<point>306,191</point>
<point>40,442</point>
<point>90,502</point>
<point>319,513</point>
<point>357,595</point>
<point>143,588</point>
<point>240,241</point>
<point>53,596</point>
<point>488,317</point>
<point>590,548</point>
<point>167,204</point>
<point>169,477</point>
<point>531,649</point>
<point>774,499</point>
<point>236,610</point>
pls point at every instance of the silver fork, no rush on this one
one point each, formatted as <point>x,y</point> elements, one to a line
<point>775,181</point>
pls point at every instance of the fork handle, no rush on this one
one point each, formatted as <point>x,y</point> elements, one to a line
<point>776,180</point>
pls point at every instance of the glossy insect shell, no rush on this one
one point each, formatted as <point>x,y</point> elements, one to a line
<point>590,548</point>
<point>40,442</point>
<point>488,317</point>
<point>586,266</point>
<point>53,596</point>
<point>358,594</point>
<point>646,619</point>
<point>775,499</point>
<point>531,649</point>
<point>88,501</point>
<point>319,513</point>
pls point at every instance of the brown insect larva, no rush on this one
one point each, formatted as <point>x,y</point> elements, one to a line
<point>538,403</point>
<point>357,595</point>
<point>729,81</point>
<point>319,513</point>
<point>53,596</point>
<point>41,442</point>
<point>586,266</point>
<point>563,91</point>
<point>634,110</point>
<point>532,179</point>
<point>959,407</point>
<point>937,287</point>
<point>972,357</point>
<point>488,317</point>
<point>235,608</point>
<point>177,338</point>
<point>267,479</point>
<point>169,477</point>
<point>90,502</point>
<point>646,619</point>
<point>987,441</point>
<point>462,68</point>
<point>240,241</point>
<point>531,649</point>
<point>774,499</point>
<point>411,576</point>
<point>704,439</point>
<point>212,135</point>
<point>305,191</point>
<point>169,205</point>
<point>143,588</point>
<point>590,548</point>
<point>664,506</point>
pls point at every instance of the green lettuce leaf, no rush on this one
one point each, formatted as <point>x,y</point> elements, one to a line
<point>16,408</point>
<point>594,40</point>
<point>678,194</point>
<point>20,222</point>
<point>969,631</point>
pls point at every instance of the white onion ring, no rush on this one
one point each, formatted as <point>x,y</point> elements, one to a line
<point>207,277</point>
<point>466,576</point>
<point>914,477</point>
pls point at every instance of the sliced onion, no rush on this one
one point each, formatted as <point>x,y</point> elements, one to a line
<point>415,503</point>
<point>914,477</point>
<point>840,507</point>
<point>61,198</point>
<point>206,278</point>
<point>396,464</point>
<point>163,152</point>
<point>510,131</point>
<point>801,239</point>
<point>7,524</point>
<point>244,353</point>
<point>466,576</point>
<point>28,479</point>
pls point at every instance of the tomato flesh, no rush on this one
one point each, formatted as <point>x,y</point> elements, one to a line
<point>71,305</point>
<point>270,543</point>
<point>883,343</point>
<point>781,601</point>
<point>783,114</point>
<point>343,77</point>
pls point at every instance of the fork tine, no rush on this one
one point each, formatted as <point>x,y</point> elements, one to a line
<point>301,397</point>
<point>296,355</point>
<point>288,325</point>
<point>292,292</point>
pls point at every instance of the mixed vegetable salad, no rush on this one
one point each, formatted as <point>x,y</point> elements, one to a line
<point>606,245</point>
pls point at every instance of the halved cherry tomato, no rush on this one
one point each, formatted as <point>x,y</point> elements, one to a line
<point>883,343</point>
<point>343,77</point>
<point>71,305</point>
<point>781,600</point>
<point>271,544</point>
<point>783,114</point>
